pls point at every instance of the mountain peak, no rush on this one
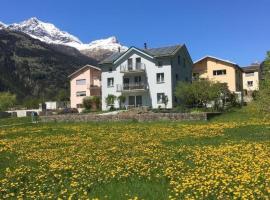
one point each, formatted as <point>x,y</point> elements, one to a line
<point>33,19</point>
<point>49,33</point>
<point>2,25</point>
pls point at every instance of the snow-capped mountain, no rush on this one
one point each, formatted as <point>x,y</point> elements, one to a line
<point>2,25</point>
<point>48,33</point>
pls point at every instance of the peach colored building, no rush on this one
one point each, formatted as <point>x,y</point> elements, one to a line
<point>216,69</point>
<point>84,82</point>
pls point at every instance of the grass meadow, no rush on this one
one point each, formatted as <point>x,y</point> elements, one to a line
<point>225,158</point>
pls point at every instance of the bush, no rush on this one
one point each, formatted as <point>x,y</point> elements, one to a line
<point>121,99</point>
<point>92,103</point>
<point>110,101</point>
<point>87,103</point>
<point>7,100</point>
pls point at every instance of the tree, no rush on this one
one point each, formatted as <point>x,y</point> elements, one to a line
<point>200,93</point>
<point>7,100</point>
<point>63,95</point>
<point>121,99</point>
<point>110,101</point>
<point>263,96</point>
<point>96,102</point>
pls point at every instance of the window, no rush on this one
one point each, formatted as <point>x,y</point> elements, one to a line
<point>81,82</point>
<point>176,76</point>
<point>219,72</point>
<point>250,83</point>
<point>179,60</point>
<point>160,77</point>
<point>160,97</point>
<point>184,62</point>
<point>130,63</point>
<point>195,76</point>
<point>110,69</point>
<point>79,106</point>
<point>81,93</point>
<point>110,82</point>
<point>175,99</point>
<point>137,79</point>
<point>159,63</point>
<point>138,63</point>
<point>248,74</point>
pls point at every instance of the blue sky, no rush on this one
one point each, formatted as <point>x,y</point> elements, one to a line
<point>237,30</point>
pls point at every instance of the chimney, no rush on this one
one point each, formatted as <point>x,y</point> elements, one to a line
<point>119,49</point>
<point>145,45</point>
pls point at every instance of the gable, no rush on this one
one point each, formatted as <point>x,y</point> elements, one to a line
<point>130,52</point>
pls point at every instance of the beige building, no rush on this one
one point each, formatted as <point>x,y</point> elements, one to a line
<point>216,69</point>
<point>251,77</point>
<point>84,82</point>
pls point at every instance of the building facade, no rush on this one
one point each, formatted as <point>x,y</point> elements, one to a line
<point>219,70</point>
<point>84,82</point>
<point>145,76</point>
<point>251,77</point>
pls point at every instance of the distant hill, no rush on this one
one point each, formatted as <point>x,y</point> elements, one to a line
<point>30,67</point>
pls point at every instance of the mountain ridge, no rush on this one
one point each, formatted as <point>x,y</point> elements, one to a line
<point>49,33</point>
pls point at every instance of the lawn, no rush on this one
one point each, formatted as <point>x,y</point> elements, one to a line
<point>225,158</point>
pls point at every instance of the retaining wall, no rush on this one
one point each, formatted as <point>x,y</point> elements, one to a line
<point>125,117</point>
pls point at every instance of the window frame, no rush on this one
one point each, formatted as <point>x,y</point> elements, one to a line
<point>108,82</point>
<point>82,92</point>
<point>160,95</point>
<point>223,72</point>
<point>159,78</point>
<point>248,83</point>
<point>83,79</point>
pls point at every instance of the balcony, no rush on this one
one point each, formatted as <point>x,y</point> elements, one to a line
<point>94,90</point>
<point>137,68</point>
<point>136,87</point>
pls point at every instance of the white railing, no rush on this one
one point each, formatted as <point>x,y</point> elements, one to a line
<point>138,67</point>
<point>131,87</point>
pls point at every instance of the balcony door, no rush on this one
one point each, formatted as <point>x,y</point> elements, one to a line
<point>130,63</point>
<point>135,101</point>
<point>138,101</point>
<point>131,101</point>
<point>137,80</point>
<point>138,63</point>
<point>126,83</point>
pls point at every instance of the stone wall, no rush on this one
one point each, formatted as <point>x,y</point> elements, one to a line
<point>125,117</point>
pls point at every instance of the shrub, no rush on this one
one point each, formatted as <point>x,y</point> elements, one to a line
<point>7,100</point>
<point>121,99</point>
<point>110,101</point>
<point>87,102</point>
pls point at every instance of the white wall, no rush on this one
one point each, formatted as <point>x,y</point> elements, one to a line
<point>255,80</point>
<point>149,98</point>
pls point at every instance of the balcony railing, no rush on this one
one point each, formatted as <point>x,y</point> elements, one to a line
<point>131,87</point>
<point>138,67</point>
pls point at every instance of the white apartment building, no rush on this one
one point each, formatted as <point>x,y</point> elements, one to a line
<point>145,76</point>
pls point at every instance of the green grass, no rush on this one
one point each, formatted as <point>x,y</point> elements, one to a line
<point>137,153</point>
